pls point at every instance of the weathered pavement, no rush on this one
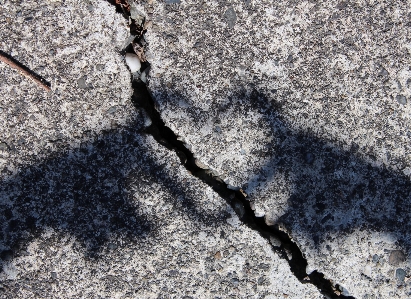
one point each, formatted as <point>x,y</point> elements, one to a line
<point>305,107</point>
<point>91,206</point>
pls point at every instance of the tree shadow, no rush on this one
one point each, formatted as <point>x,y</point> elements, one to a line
<point>87,192</point>
<point>313,186</point>
<point>330,189</point>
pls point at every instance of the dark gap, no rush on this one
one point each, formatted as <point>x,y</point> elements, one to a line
<point>165,136</point>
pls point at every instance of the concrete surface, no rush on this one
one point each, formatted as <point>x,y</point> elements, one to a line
<point>80,58</point>
<point>120,218</point>
<point>90,206</point>
<point>306,107</point>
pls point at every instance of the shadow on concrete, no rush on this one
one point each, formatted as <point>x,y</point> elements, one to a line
<point>85,192</point>
<point>330,189</point>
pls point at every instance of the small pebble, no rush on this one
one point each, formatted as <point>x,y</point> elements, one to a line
<point>309,158</point>
<point>261,280</point>
<point>148,24</point>
<point>3,146</point>
<point>147,120</point>
<point>396,257</point>
<point>239,209</point>
<point>400,274</point>
<point>401,99</point>
<point>111,110</point>
<point>235,281</point>
<point>275,242</point>
<point>383,72</point>
<point>200,164</point>
<point>112,246</point>
<point>136,15</point>
<point>100,67</point>
<point>82,83</point>
<point>128,41</point>
<point>143,77</point>
<point>230,17</point>
<point>367,271</point>
<point>133,62</point>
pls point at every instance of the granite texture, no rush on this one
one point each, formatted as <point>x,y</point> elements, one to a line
<point>90,205</point>
<point>305,107</point>
<point>75,46</point>
<point>119,217</point>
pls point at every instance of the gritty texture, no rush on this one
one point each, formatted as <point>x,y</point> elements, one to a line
<point>75,47</point>
<point>121,218</point>
<point>90,207</point>
<point>306,107</point>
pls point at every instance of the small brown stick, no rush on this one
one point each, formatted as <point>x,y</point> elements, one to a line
<point>24,71</point>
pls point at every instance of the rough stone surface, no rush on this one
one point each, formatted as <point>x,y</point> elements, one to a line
<point>305,106</point>
<point>119,217</point>
<point>89,206</point>
<point>78,53</point>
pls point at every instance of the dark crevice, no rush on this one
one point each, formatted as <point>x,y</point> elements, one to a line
<point>237,200</point>
<point>288,249</point>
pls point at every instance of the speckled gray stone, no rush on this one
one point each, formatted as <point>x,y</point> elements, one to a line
<point>66,46</point>
<point>119,217</point>
<point>303,105</point>
<point>91,207</point>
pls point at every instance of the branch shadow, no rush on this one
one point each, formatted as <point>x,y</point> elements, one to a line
<point>87,193</point>
<point>329,189</point>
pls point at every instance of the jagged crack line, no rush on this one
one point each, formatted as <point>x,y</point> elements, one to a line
<point>236,199</point>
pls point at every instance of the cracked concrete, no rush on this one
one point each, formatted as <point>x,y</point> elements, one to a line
<point>305,107</point>
<point>90,205</point>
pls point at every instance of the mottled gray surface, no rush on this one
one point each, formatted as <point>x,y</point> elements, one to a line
<point>306,107</point>
<point>121,218</point>
<point>92,208</point>
<point>80,57</point>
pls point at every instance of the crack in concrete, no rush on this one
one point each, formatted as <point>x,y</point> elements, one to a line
<point>277,236</point>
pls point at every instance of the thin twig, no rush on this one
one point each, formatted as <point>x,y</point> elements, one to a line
<point>24,71</point>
